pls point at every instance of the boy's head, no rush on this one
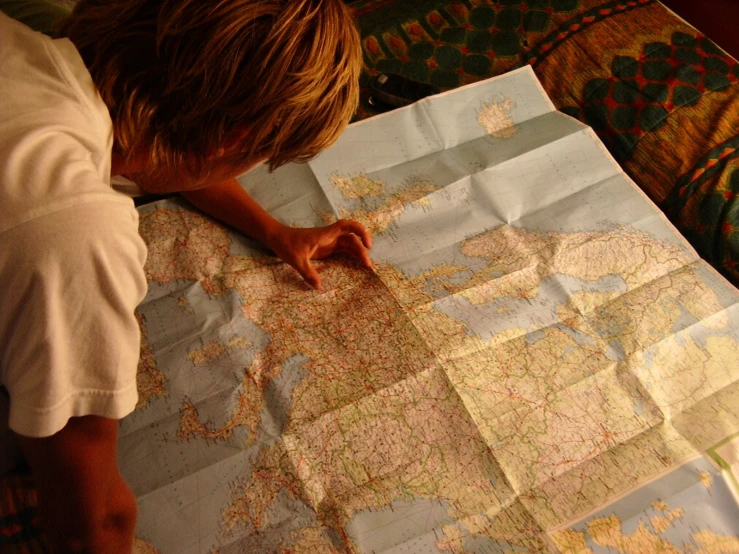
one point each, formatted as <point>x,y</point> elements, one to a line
<point>183,78</point>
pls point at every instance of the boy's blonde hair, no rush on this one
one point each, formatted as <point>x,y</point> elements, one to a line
<point>183,77</point>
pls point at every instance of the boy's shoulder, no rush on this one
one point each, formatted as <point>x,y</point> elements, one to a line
<point>55,131</point>
<point>18,37</point>
<point>38,70</point>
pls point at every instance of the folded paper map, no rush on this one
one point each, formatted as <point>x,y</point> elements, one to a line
<point>537,361</point>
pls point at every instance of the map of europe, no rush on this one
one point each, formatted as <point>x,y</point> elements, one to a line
<point>536,361</point>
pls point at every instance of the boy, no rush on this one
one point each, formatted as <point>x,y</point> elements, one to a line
<point>178,95</point>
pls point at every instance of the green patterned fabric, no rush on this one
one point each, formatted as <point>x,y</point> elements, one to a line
<point>37,14</point>
<point>20,532</point>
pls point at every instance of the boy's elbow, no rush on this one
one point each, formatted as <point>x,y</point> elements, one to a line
<point>113,532</point>
<point>84,503</point>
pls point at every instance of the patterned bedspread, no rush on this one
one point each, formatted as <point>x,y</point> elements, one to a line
<point>661,96</point>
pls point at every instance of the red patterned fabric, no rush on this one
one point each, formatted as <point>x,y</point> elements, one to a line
<point>20,532</point>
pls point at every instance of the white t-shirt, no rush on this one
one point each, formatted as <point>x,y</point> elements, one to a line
<point>71,258</point>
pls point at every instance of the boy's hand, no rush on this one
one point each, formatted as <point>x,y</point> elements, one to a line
<point>231,204</point>
<point>297,246</point>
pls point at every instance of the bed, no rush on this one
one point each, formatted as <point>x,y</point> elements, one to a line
<point>661,96</point>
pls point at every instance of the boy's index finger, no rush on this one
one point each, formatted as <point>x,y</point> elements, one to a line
<point>351,245</point>
<point>353,226</point>
<point>308,273</point>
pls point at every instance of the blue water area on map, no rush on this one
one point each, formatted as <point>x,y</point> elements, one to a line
<point>484,545</point>
<point>699,331</point>
<point>532,314</point>
<point>379,530</point>
<point>704,508</point>
<point>181,319</point>
<point>187,320</point>
<point>277,400</point>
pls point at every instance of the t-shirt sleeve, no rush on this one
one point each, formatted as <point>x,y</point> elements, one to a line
<point>69,338</point>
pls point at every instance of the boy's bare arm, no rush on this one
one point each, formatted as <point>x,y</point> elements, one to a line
<point>85,505</point>
<point>231,204</point>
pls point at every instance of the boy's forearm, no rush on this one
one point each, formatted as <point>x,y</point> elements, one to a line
<point>231,204</point>
<point>85,506</point>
